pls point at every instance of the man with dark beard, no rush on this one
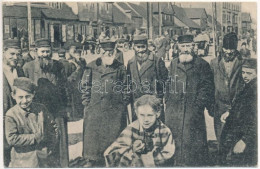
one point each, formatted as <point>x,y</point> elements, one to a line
<point>189,91</point>
<point>11,70</point>
<point>50,77</point>
<point>146,73</point>
<point>228,80</point>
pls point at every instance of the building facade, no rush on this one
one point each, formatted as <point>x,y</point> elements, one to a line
<point>246,23</point>
<point>229,16</point>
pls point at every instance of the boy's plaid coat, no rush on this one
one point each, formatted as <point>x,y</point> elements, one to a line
<point>120,153</point>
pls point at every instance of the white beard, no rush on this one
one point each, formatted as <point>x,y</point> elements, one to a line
<point>185,58</point>
<point>107,60</point>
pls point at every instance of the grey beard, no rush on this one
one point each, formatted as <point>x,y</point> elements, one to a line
<point>185,58</point>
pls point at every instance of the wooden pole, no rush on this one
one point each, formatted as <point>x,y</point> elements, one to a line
<point>160,19</point>
<point>149,20</point>
<point>29,24</point>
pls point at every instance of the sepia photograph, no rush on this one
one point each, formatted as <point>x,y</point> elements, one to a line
<point>129,84</point>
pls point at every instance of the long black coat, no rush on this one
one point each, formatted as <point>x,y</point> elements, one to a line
<point>51,92</point>
<point>241,124</point>
<point>105,109</point>
<point>191,90</point>
<point>226,89</point>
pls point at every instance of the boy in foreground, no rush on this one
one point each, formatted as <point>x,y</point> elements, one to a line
<point>30,130</point>
<point>146,142</point>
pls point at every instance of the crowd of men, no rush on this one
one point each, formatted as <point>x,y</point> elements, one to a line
<point>141,115</point>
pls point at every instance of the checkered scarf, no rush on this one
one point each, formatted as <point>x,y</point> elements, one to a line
<point>120,153</point>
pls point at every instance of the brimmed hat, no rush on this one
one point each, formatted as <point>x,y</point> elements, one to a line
<point>25,84</point>
<point>140,39</point>
<point>185,39</point>
<point>230,41</point>
<point>107,44</point>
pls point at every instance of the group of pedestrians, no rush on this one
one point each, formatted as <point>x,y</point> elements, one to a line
<point>139,115</point>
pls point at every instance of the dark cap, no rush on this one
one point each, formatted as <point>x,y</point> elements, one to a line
<point>108,44</point>
<point>230,41</point>
<point>185,39</point>
<point>42,43</point>
<point>121,40</point>
<point>61,52</point>
<point>250,63</point>
<point>25,84</point>
<point>11,43</point>
<point>140,39</point>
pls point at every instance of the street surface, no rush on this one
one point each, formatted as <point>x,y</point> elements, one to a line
<point>76,128</point>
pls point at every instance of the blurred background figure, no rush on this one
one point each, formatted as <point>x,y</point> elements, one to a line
<point>244,52</point>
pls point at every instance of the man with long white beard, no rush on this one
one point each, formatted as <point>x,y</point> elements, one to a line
<point>104,108</point>
<point>50,77</point>
<point>190,90</point>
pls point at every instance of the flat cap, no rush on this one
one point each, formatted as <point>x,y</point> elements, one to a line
<point>250,63</point>
<point>11,43</point>
<point>42,43</point>
<point>230,41</point>
<point>121,40</point>
<point>185,39</point>
<point>107,44</point>
<point>25,84</point>
<point>140,39</point>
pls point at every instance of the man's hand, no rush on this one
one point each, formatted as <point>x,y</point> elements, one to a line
<point>239,147</point>
<point>224,117</point>
<point>138,146</point>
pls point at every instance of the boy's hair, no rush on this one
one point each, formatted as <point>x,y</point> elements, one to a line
<point>150,100</point>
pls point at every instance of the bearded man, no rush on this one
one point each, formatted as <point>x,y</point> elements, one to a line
<point>146,73</point>
<point>50,77</point>
<point>190,90</point>
<point>227,68</point>
<point>104,108</point>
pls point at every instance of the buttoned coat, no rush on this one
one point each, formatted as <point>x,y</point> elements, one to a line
<point>51,92</point>
<point>105,109</point>
<point>8,102</point>
<point>226,88</point>
<point>26,150</point>
<point>189,91</point>
<point>150,79</point>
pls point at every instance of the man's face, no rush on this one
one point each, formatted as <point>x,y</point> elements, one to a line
<point>185,52</point>
<point>23,98</point>
<point>11,56</point>
<point>243,47</point>
<point>146,116</point>
<point>248,74</point>
<point>140,51</point>
<point>185,47</point>
<point>108,56</point>
<point>44,52</point>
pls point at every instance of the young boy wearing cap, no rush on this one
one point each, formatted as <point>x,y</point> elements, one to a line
<point>239,136</point>
<point>245,53</point>
<point>30,129</point>
<point>146,142</point>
